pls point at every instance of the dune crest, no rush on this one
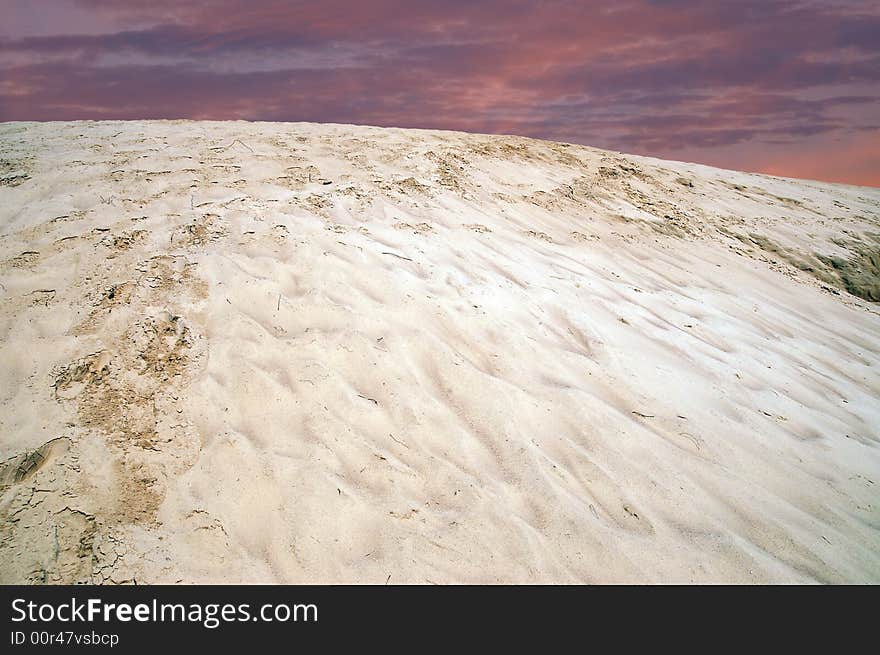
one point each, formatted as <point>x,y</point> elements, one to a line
<point>267,352</point>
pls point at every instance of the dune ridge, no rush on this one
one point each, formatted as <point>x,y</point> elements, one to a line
<point>268,352</point>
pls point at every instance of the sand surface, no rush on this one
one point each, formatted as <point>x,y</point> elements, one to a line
<point>251,352</point>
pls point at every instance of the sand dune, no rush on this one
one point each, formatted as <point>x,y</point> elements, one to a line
<point>248,352</point>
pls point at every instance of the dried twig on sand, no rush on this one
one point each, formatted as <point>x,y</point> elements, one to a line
<point>396,255</point>
<point>239,141</point>
<point>397,440</point>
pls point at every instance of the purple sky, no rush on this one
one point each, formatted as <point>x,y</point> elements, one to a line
<point>787,87</point>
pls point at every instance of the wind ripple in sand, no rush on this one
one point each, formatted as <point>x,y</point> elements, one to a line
<point>246,352</point>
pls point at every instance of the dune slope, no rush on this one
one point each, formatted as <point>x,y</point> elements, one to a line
<point>250,352</point>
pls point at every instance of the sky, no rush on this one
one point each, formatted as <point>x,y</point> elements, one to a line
<point>787,87</point>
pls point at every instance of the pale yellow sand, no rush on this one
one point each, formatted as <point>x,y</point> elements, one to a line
<point>244,352</point>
